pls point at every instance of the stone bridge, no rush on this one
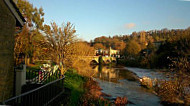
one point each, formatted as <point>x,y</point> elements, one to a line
<point>95,59</point>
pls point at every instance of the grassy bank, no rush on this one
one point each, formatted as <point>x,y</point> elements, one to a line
<point>79,90</point>
<point>82,90</point>
<point>74,82</point>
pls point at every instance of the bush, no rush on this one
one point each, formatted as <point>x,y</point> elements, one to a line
<point>176,89</point>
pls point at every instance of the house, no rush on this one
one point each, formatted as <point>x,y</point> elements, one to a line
<point>110,52</point>
<point>114,53</point>
<point>10,17</point>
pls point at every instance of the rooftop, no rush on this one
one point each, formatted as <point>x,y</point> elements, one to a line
<point>16,13</point>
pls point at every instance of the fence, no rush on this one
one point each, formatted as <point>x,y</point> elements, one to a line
<point>40,76</point>
<point>41,96</point>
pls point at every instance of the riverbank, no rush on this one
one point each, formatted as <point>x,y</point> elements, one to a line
<point>80,90</point>
<point>120,82</point>
<point>166,88</point>
<point>110,84</point>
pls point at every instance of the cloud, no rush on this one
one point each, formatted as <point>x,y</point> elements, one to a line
<point>130,25</point>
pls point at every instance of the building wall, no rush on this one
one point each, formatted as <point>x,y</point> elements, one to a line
<point>113,52</point>
<point>7,27</point>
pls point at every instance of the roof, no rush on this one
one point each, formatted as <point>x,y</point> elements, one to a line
<point>16,13</point>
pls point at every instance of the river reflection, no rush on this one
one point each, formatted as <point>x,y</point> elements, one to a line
<point>106,73</point>
<point>111,74</point>
<point>121,82</point>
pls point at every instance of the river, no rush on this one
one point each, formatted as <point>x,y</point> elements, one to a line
<point>123,81</point>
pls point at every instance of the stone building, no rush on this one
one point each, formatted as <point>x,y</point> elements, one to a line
<point>10,18</point>
<point>114,53</point>
<point>109,52</point>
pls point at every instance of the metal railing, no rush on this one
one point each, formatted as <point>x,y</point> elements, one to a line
<point>42,77</point>
<point>41,96</point>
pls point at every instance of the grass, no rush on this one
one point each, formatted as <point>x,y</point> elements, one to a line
<point>32,71</point>
<point>74,82</point>
<point>53,77</point>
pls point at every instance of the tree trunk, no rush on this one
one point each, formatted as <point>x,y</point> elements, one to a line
<point>27,60</point>
<point>62,70</point>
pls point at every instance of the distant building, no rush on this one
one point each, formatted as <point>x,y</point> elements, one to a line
<point>114,53</point>
<point>110,52</point>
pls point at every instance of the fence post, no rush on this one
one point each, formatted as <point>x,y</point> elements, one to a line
<point>20,79</point>
<point>39,75</point>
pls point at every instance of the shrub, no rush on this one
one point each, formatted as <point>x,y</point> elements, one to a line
<point>176,89</point>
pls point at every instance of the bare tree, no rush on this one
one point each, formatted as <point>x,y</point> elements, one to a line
<point>60,42</point>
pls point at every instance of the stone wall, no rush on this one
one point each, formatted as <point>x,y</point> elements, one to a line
<point>7,28</point>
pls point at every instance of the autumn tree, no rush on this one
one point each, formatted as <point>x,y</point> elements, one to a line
<point>26,41</point>
<point>33,16</point>
<point>120,45</point>
<point>99,46</point>
<point>132,48</point>
<point>60,42</point>
<point>84,49</point>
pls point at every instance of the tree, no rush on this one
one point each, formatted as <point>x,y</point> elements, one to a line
<point>25,41</point>
<point>120,45</point>
<point>99,46</point>
<point>60,42</point>
<point>132,48</point>
<point>32,15</point>
<point>84,49</point>
<point>151,47</point>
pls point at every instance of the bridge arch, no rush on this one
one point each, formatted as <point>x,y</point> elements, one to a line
<point>95,59</point>
<point>114,61</point>
<point>93,62</point>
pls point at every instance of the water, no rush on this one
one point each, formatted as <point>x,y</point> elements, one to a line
<point>147,72</point>
<point>120,82</point>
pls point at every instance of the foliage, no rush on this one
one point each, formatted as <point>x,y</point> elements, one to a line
<point>178,47</point>
<point>99,46</point>
<point>26,40</point>
<point>151,47</point>
<point>22,43</point>
<point>60,44</point>
<point>84,49</point>
<point>176,89</point>
<point>32,15</point>
<point>120,45</point>
<point>132,48</point>
<point>93,95</point>
<point>129,62</point>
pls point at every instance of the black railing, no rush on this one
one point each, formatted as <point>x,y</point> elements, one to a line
<point>31,75</point>
<point>41,96</point>
<point>42,77</point>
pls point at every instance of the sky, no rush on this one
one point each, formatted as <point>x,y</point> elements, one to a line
<point>95,18</point>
